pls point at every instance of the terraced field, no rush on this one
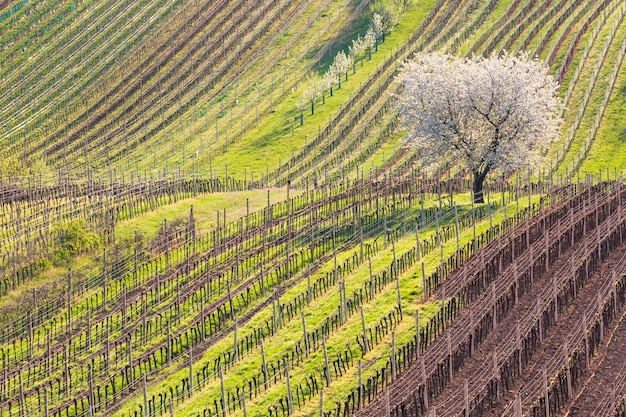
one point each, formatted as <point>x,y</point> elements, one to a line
<point>177,237</point>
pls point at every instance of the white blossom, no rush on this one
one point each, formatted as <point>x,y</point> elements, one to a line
<point>369,40</point>
<point>357,48</point>
<point>328,79</point>
<point>302,104</point>
<point>314,89</point>
<point>385,16</point>
<point>378,25</point>
<point>500,112</point>
<point>341,64</point>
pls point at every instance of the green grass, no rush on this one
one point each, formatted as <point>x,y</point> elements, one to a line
<point>412,299</point>
<point>204,209</point>
<point>609,148</point>
<point>272,141</point>
<point>578,94</point>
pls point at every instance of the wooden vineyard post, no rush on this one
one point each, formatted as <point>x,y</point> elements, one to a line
<point>344,301</point>
<point>158,285</point>
<point>309,290</point>
<point>279,311</point>
<point>584,324</point>
<point>136,268</point>
<point>326,368</point>
<point>556,297</point>
<point>387,407</point>
<point>518,341</point>
<point>545,391</point>
<point>489,209</point>
<point>69,301</point>
<point>393,356</point>
<point>222,392</point>
<point>361,237</point>
<point>466,397</point>
<point>243,403</point>
<point>517,194</point>
<point>91,402</point>
<point>397,276</point>
<point>404,221</point>
<point>190,371</point>
<point>474,241</point>
<point>417,242</point>
<point>365,341</point>
<point>30,334</point>
<point>287,244</point>
<point>540,320</point>
<point>66,372</point>
<point>456,232</point>
<point>88,329</point>
<point>230,302</point>
<point>107,348</point>
<point>417,333</point>
<point>235,349</point>
<point>437,235</point>
<point>503,187</point>
<point>321,403</point>
<point>334,251</point>
<point>600,320</point>
<point>289,397</point>
<point>169,343</point>
<point>45,403</point>
<point>424,282</point>
<point>5,370</point>
<point>304,335</point>
<point>372,292</point>
<point>496,374</point>
<point>264,366</point>
<point>516,279</point>
<point>360,381</point>
<point>130,358</point>
<point>424,381</point>
<point>385,230</point>
<point>263,266</point>
<point>22,399</point>
<point>104,279</point>
<point>439,197</point>
<point>274,317</point>
<point>493,303</point>
<point>568,374</point>
<point>449,343</point>
<point>312,229</point>
<point>171,407</point>
<point>471,329</point>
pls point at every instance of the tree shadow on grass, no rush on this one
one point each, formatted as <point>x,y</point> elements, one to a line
<point>270,139</point>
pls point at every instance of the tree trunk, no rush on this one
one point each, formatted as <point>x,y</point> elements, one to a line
<point>479,178</point>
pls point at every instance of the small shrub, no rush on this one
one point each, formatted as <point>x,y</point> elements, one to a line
<point>74,238</point>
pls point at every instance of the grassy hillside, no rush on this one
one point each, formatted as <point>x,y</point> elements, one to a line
<point>170,215</point>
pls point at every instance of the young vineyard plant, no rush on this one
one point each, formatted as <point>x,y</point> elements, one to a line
<point>498,112</point>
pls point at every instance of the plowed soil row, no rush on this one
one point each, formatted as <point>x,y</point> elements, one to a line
<point>526,307</point>
<point>603,372</point>
<point>553,340</point>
